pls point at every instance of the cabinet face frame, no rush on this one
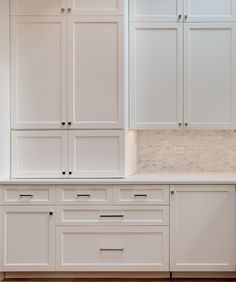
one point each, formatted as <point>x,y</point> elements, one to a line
<point>156,18</point>
<point>187,78</point>
<point>209,18</point>
<point>15,122</point>
<point>50,265</point>
<point>76,124</point>
<point>133,73</point>
<point>175,264</point>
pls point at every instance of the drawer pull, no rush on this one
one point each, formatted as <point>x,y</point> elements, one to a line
<point>27,195</point>
<point>83,195</point>
<point>140,195</point>
<point>111,250</point>
<point>112,216</point>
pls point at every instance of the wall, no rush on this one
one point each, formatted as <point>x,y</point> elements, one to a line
<point>212,151</point>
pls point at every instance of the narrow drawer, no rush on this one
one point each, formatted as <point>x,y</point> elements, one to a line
<point>141,195</point>
<point>27,195</point>
<point>113,248</point>
<point>71,215</point>
<point>87,194</point>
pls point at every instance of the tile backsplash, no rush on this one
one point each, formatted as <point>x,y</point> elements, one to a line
<point>168,151</point>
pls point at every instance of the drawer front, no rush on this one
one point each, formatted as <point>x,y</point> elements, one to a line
<point>112,215</point>
<point>113,248</point>
<point>87,195</point>
<point>27,195</point>
<point>141,195</point>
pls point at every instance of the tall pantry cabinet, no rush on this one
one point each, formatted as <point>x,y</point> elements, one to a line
<point>69,92</point>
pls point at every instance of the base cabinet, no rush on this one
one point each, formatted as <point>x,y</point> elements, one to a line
<point>202,228</point>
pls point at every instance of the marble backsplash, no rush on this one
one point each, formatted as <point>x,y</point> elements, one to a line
<point>168,151</point>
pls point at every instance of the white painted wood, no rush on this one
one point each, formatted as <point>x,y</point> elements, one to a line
<point>37,154</point>
<point>141,194</point>
<point>38,50</point>
<point>156,10</point>
<point>156,75</point>
<point>210,10</point>
<point>137,249</point>
<point>96,153</point>
<point>27,195</point>
<point>210,71</point>
<point>96,72</point>
<point>28,239</point>
<point>84,195</point>
<point>96,7</point>
<point>4,90</point>
<point>110,215</point>
<point>37,7</point>
<point>203,228</point>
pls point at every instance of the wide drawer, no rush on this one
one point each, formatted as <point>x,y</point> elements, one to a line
<point>113,248</point>
<point>141,195</point>
<point>85,194</point>
<point>27,195</point>
<point>111,215</point>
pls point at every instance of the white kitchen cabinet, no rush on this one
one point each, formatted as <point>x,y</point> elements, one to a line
<point>38,62</point>
<point>112,248</point>
<point>96,153</point>
<point>96,72</point>
<point>210,72</point>
<point>202,224</point>
<point>156,63</point>
<point>96,7</point>
<point>210,10</point>
<point>28,238</point>
<point>39,154</point>
<point>156,10</point>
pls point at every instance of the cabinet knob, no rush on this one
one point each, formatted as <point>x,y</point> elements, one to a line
<point>186,124</point>
<point>63,173</point>
<point>63,123</point>
<point>69,123</point>
<point>70,172</point>
<point>51,212</point>
<point>185,17</point>
<point>63,10</point>
<point>180,123</point>
<point>172,192</point>
<point>69,10</point>
<point>179,17</point>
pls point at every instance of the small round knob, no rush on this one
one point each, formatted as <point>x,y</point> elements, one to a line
<point>179,16</point>
<point>63,10</point>
<point>185,17</point>
<point>69,123</point>
<point>70,172</point>
<point>186,124</point>
<point>172,192</point>
<point>69,10</point>
<point>63,173</point>
<point>63,123</point>
<point>180,123</point>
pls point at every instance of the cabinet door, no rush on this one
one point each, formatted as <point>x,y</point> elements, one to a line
<point>39,96</point>
<point>37,7</point>
<point>203,228</point>
<point>210,10</point>
<point>28,238</point>
<point>113,248</point>
<point>37,154</point>
<point>96,153</point>
<point>96,7</point>
<point>156,10</point>
<point>156,76</point>
<point>96,86</point>
<point>210,76</point>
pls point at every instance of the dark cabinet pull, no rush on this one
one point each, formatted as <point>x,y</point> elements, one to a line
<point>51,213</point>
<point>70,172</point>
<point>26,195</point>
<point>140,195</point>
<point>63,172</point>
<point>63,123</point>
<point>69,10</point>
<point>111,250</point>
<point>83,195</point>
<point>112,216</point>
<point>69,123</point>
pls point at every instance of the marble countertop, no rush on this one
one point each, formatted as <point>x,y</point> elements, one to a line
<point>141,178</point>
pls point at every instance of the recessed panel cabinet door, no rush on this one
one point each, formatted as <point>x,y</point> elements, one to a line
<point>38,154</point>
<point>210,72</point>
<point>39,97</point>
<point>28,238</point>
<point>156,10</point>
<point>156,78</point>
<point>96,86</point>
<point>202,228</point>
<point>210,10</point>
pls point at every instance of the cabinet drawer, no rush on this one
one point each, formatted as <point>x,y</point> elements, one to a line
<point>27,195</point>
<point>141,194</point>
<point>113,248</point>
<point>88,194</point>
<point>111,215</point>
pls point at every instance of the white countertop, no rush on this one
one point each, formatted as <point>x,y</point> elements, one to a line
<point>141,178</point>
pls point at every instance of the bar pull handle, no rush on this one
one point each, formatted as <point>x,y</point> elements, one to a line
<point>140,195</point>
<point>83,195</point>
<point>112,250</point>
<point>111,216</point>
<point>27,195</point>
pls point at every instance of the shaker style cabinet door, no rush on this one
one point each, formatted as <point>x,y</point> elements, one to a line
<point>202,228</point>
<point>96,70</point>
<point>210,10</point>
<point>38,7</point>
<point>210,72</point>
<point>28,238</point>
<point>156,78</point>
<point>96,7</point>
<point>38,90</point>
<point>156,10</point>
<point>37,154</point>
